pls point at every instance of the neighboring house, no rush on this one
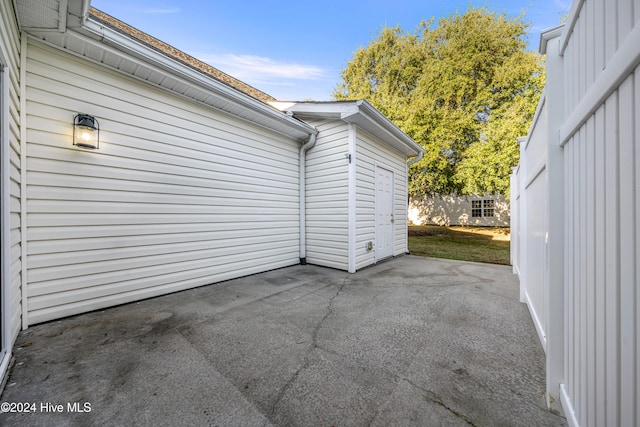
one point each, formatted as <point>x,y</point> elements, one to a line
<point>575,213</point>
<point>490,210</point>
<point>196,178</point>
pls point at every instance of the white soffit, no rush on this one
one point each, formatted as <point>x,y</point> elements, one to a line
<point>40,15</point>
<point>360,113</point>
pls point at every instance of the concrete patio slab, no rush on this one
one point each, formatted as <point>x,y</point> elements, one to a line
<point>411,341</point>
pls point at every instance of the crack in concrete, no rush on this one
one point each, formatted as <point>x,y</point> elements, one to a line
<point>314,334</point>
<point>434,398</point>
<point>460,270</point>
<point>305,365</point>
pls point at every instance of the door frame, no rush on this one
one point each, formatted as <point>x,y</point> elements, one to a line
<point>377,254</point>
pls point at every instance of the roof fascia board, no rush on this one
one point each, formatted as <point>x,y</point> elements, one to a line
<point>77,12</point>
<point>367,124</point>
<point>318,109</point>
<point>120,42</point>
<point>379,121</point>
<point>361,113</point>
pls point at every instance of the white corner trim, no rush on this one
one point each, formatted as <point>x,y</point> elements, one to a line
<point>351,203</point>
<point>23,180</point>
<point>406,207</point>
<point>5,290</point>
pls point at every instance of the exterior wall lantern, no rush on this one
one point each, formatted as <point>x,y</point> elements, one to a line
<point>86,132</point>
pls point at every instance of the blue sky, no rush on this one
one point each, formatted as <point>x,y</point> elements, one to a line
<point>295,50</point>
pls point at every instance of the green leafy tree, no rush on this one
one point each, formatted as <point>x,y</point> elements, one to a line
<point>464,89</point>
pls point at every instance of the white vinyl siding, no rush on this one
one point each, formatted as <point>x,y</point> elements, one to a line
<point>371,151</point>
<point>10,41</point>
<point>178,195</point>
<point>327,195</point>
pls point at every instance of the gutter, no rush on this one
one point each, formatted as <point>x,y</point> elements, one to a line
<point>111,37</point>
<point>303,195</point>
<point>416,158</point>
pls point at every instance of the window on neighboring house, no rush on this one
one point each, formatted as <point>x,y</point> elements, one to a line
<point>482,208</point>
<point>476,208</point>
<point>488,207</point>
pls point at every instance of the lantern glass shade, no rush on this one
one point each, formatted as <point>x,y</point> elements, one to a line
<point>86,131</point>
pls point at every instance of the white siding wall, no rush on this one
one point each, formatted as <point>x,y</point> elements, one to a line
<point>602,208</point>
<point>327,195</point>
<point>10,45</point>
<point>177,196</point>
<point>369,152</point>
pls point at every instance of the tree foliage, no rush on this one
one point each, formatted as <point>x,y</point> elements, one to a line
<point>464,89</point>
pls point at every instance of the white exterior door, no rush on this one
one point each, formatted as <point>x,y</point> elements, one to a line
<point>384,213</point>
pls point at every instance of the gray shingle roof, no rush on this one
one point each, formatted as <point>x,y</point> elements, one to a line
<point>179,55</point>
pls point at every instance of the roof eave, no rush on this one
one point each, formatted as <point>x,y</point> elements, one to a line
<point>360,113</point>
<point>39,17</point>
<point>380,120</point>
<point>72,28</point>
<point>271,118</point>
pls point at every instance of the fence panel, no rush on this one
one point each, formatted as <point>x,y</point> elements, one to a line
<point>594,123</point>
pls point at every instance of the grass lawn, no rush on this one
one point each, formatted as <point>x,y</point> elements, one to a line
<point>478,244</point>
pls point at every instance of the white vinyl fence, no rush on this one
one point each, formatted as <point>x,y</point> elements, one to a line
<point>576,210</point>
<point>528,200</point>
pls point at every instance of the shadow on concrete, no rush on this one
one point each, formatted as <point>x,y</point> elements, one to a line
<point>412,341</point>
